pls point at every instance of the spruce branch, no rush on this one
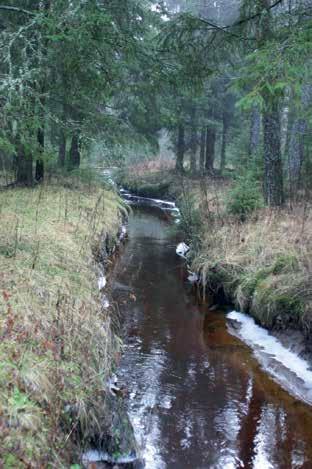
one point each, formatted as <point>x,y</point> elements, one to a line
<point>17,10</point>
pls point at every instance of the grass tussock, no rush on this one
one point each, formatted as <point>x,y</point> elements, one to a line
<point>57,345</point>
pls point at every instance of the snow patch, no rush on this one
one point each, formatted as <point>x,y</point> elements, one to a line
<point>102,282</point>
<point>105,302</point>
<point>291,371</point>
<point>182,249</point>
<point>94,456</point>
<point>123,233</point>
<point>192,277</point>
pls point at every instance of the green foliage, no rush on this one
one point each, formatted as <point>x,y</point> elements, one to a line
<point>79,67</point>
<point>11,462</point>
<point>245,196</point>
<point>250,280</point>
<point>275,299</point>
<point>285,263</point>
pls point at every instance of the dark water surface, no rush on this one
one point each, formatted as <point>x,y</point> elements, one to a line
<point>197,397</point>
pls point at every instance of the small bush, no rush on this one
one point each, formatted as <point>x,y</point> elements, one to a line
<point>245,197</point>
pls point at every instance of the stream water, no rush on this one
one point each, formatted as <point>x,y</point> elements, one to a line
<point>196,395</point>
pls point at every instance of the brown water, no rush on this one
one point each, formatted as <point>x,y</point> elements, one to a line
<point>197,397</point>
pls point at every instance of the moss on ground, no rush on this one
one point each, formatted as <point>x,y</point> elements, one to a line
<point>272,295</point>
<point>275,302</point>
<point>57,347</point>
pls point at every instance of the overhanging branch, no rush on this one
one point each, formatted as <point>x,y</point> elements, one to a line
<point>252,17</point>
<point>239,22</point>
<point>17,10</point>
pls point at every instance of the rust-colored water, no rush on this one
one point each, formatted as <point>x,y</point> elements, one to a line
<point>196,395</point>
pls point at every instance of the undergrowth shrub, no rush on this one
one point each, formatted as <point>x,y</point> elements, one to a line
<point>245,197</point>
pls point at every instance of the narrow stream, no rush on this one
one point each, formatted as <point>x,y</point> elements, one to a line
<point>196,395</point>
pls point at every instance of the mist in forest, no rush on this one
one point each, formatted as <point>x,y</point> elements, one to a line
<point>133,132</point>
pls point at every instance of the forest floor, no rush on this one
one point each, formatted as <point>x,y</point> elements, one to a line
<point>57,346</point>
<point>261,264</point>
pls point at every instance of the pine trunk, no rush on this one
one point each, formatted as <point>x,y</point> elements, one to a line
<point>24,168</point>
<point>273,172</point>
<point>75,152</point>
<point>296,144</point>
<point>180,149</point>
<point>255,129</point>
<point>290,123</point>
<point>225,129</point>
<point>62,149</point>
<point>296,155</point>
<point>193,143</point>
<point>202,151</point>
<point>39,174</point>
<point>210,149</point>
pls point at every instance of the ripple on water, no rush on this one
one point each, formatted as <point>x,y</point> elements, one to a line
<point>197,398</point>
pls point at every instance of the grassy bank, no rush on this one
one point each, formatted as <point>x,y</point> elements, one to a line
<point>260,261</point>
<point>264,265</point>
<point>57,345</point>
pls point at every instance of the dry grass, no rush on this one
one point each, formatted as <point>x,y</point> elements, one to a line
<point>264,265</point>
<point>265,236</point>
<point>56,346</point>
<point>149,167</point>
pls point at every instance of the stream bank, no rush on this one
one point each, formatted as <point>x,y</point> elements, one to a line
<point>259,263</point>
<point>195,393</point>
<point>58,335</point>
<point>261,268</point>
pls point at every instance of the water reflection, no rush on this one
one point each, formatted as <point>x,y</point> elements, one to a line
<point>197,397</point>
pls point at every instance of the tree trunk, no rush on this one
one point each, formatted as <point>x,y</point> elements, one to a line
<point>255,129</point>
<point>75,151</point>
<point>62,149</point>
<point>290,123</point>
<point>296,155</point>
<point>39,174</point>
<point>180,149</point>
<point>296,144</point>
<point>224,140</point>
<point>202,151</point>
<point>24,167</point>
<point>273,172</point>
<point>210,149</point>
<point>193,143</point>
